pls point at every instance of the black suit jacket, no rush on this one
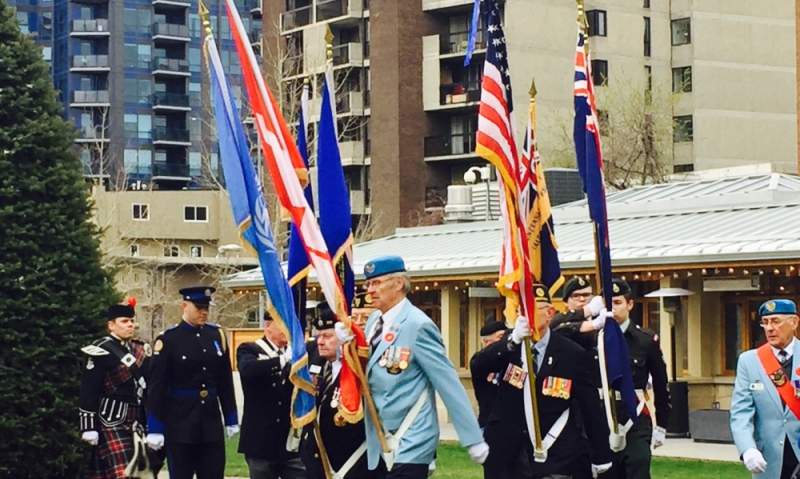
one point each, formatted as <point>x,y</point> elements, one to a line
<point>485,388</point>
<point>340,441</point>
<point>507,428</point>
<point>267,401</point>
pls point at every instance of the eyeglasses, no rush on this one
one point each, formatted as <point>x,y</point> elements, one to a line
<point>774,322</point>
<point>374,283</point>
<point>580,295</point>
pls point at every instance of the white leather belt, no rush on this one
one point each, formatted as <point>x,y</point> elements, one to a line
<point>393,440</point>
<point>350,462</point>
<point>555,430</point>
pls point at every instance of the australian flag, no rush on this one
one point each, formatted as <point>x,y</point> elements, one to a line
<point>590,167</point>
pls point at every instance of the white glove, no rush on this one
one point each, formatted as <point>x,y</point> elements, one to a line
<point>479,452</point>
<point>659,435</point>
<point>155,441</point>
<point>599,469</point>
<point>595,305</point>
<point>342,333</point>
<point>232,430</point>
<point>754,461</point>
<point>431,468</point>
<point>91,437</point>
<point>522,330</point>
<point>600,321</point>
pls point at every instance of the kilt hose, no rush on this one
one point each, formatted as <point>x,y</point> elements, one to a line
<point>114,450</point>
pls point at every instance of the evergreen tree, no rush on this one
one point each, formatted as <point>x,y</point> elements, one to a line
<point>53,290</point>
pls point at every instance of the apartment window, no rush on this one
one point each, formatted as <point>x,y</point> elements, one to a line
<point>141,212</point>
<point>597,23</point>
<point>195,213</point>
<point>172,251</point>
<point>646,3</point>
<point>252,317</point>
<point>648,84</point>
<point>682,79</point>
<point>682,31</point>
<point>600,72</point>
<point>196,251</point>
<point>134,250</point>
<point>683,128</point>
<point>647,36</point>
<point>683,168</point>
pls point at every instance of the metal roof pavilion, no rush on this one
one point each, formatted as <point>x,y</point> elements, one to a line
<point>737,219</point>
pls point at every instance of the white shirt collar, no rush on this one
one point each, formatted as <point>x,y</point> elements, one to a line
<point>624,326</point>
<point>336,366</point>
<point>789,349</point>
<point>392,314</point>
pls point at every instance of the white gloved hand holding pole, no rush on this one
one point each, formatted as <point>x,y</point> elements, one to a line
<point>342,333</point>
<point>91,437</point>
<point>522,330</point>
<point>754,461</point>
<point>232,430</point>
<point>155,441</point>
<point>599,322</point>
<point>595,305</point>
<point>479,452</point>
<point>659,436</point>
<point>598,469</point>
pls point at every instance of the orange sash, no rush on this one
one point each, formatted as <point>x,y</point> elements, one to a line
<point>782,383</point>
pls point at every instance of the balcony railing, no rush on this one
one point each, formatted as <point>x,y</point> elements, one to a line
<point>90,61</point>
<point>350,102</point>
<point>90,96</point>
<point>253,6</point>
<point>327,9</point>
<point>347,53</point>
<point>255,36</point>
<point>170,30</point>
<point>170,99</point>
<point>99,25</point>
<point>457,42</point>
<point>449,145</point>
<point>92,134</point>
<point>174,135</point>
<point>173,65</point>
<point>296,18</point>
<point>173,3</point>
<point>455,93</point>
<point>171,169</point>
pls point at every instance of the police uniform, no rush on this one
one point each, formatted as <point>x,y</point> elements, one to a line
<point>485,387</point>
<point>266,421</point>
<point>191,380</point>
<point>344,443</point>
<point>646,361</point>
<point>562,384</point>
<point>112,388</point>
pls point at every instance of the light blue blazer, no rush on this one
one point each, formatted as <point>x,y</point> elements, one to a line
<point>395,394</point>
<point>758,417</point>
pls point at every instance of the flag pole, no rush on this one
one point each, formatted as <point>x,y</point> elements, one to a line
<point>538,451</point>
<point>609,398</point>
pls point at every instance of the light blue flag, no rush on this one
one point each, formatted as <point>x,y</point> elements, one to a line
<point>252,217</point>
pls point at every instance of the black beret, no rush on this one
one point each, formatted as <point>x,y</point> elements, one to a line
<point>574,284</point>
<point>619,288</point>
<point>325,319</point>
<point>362,300</point>
<point>492,327</point>
<point>120,311</point>
<point>541,293</point>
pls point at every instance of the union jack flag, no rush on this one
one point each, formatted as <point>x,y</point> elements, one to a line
<point>495,143</point>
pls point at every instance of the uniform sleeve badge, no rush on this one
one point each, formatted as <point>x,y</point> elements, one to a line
<point>148,351</point>
<point>90,364</point>
<point>158,346</point>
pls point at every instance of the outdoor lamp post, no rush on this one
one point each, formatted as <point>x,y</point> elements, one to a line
<point>470,178</point>
<point>678,391</point>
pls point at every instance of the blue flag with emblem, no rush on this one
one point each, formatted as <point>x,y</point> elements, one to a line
<point>590,167</point>
<point>298,264</point>
<point>334,198</point>
<point>255,229</point>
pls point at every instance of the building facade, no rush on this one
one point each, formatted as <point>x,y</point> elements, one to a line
<point>722,105</point>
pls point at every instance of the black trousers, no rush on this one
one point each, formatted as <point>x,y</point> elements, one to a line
<point>207,460</point>
<point>408,471</point>
<point>789,459</point>
<point>518,467</point>
<point>633,462</point>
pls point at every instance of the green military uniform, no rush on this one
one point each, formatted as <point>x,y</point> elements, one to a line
<point>646,361</point>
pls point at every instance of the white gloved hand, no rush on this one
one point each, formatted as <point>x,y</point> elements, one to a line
<point>232,430</point>
<point>595,305</point>
<point>342,333</point>
<point>522,330</point>
<point>155,441</point>
<point>754,461</point>
<point>431,468</point>
<point>479,452</point>
<point>91,437</point>
<point>600,321</point>
<point>659,436</point>
<point>599,469</point>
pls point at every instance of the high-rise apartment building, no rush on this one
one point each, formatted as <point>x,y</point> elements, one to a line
<point>727,69</point>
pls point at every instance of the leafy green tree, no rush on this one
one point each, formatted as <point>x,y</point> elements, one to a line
<point>53,290</point>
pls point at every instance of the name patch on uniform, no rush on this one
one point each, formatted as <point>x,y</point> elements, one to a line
<point>315,369</point>
<point>756,386</point>
<point>557,387</point>
<point>515,376</point>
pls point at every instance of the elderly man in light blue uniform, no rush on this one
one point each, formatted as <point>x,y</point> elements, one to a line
<point>765,407</point>
<point>407,365</point>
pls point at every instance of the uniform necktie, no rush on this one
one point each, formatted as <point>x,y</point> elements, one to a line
<point>535,355</point>
<point>783,356</point>
<point>376,335</point>
<point>326,376</point>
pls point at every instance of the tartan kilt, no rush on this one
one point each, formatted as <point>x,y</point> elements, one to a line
<point>114,450</point>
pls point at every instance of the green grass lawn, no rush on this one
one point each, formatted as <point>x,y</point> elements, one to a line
<point>453,463</point>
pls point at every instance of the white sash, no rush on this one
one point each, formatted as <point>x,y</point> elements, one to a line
<point>393,440</point>
<point>350,462</point>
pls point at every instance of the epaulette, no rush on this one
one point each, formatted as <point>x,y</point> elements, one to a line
<point>648,332</point>
<point>93,350</point>
<point>171,328</point>
<point>213,325</point>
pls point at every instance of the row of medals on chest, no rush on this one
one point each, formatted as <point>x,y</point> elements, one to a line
<point>395,359</point>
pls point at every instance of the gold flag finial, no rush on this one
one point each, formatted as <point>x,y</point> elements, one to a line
<point>532,91</point>
<point>328,43</point>
<point>204,19</point>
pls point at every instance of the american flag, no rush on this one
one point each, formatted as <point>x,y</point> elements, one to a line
<point>495,143</point>
<point>590,167</point>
